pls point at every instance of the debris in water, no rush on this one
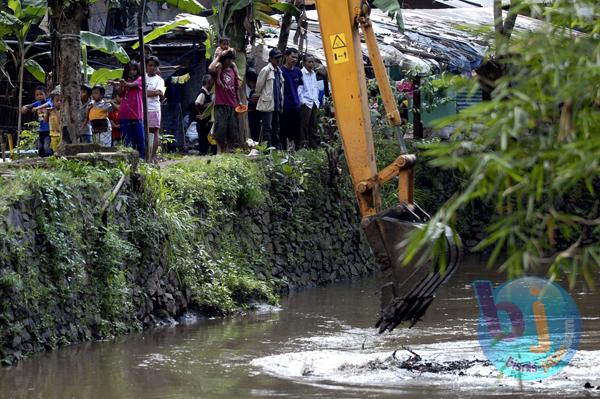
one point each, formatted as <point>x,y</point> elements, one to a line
<point>415,363</point>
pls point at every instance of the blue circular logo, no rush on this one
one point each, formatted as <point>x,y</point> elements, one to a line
<point>528,328</point>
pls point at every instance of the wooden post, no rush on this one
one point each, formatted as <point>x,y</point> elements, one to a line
<point>417,124</point>
<point>2,146</point>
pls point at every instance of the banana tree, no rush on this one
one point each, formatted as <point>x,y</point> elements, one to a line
<point>22,16</point>
<point>286,21</point>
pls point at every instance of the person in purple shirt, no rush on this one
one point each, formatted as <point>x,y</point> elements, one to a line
<point>290,119</point>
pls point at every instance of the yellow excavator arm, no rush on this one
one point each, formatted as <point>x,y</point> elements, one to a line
<point>408,289</point>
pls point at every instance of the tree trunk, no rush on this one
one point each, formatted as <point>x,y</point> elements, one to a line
<point>67,17</point>
<point>140,26</point>
<point>493,69</point>
<point>21,68</point>
<point>417,124</point>
<point>237,33</point>
<point>284,34</point>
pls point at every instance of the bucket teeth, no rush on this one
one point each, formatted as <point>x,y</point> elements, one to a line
<point>408,290</point>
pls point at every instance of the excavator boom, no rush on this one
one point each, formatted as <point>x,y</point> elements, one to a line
<point>408,290</point>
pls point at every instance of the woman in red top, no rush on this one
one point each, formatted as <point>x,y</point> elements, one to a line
<point>131,119</point>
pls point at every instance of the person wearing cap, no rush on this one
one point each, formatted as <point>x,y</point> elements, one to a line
<point>155,89</point>
<point>225,127</point>
<point>269,89</point>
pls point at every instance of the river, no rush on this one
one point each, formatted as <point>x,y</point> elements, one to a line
<point>319,343</point>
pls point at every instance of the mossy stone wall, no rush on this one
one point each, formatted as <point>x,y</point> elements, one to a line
<point>212,235</point>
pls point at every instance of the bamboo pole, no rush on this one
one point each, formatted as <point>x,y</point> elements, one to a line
<point>140,22</point>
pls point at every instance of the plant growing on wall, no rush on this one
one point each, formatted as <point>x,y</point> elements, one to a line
<point>16,21</point>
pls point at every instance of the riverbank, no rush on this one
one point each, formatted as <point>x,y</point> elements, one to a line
<point>214,235</point>
<point>91,250</point>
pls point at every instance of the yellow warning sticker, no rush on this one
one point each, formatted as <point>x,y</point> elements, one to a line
<point>339,48</point>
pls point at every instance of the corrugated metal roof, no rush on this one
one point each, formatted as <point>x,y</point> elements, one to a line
<point>433,39</point>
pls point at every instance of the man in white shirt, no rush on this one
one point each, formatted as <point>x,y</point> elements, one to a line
<point>309,100</point>
<point>155,89</point>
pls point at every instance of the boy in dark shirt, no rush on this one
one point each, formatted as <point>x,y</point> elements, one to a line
<point>290,119</point>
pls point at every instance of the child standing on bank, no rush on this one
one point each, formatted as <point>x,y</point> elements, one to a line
<point>203,122</point>
<point>155,89</point>
<point>131,119</point>
<point>98,117</point>
<point>39,107</point>
<point>113,117</point>
<point>53,118</point>
<point>86,130</point>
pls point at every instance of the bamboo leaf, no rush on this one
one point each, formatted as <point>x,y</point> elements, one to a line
<point>104,45</point>
<point>160,31</point>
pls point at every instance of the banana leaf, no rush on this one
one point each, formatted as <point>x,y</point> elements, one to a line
<point>286,8</point>
<point>9,23</point>
<point>35,70</point>
<point>104,45</point>
<point>160,31</point>
<point>103,75</point>
<point>191,6</point>
<point>28,10</point>
<point>392,8</point>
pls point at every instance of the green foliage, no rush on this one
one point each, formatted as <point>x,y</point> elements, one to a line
<point>532,152</point>
<point>195,202</point>
<point>160,31</point>
<point>103,75</point>
<point>191,6</point>
<point>29,137</point>
<point>35,70</point>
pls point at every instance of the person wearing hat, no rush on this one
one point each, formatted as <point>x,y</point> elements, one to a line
<point>269,89</point>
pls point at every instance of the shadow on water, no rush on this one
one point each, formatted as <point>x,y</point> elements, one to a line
<point>320,343</point>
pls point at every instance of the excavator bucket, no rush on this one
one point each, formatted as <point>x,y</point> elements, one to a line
<point>408,290</point>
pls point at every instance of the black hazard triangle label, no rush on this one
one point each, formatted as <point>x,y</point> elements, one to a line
<point>338,42</point>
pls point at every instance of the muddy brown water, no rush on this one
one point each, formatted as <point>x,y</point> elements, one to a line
<point>319,343</point>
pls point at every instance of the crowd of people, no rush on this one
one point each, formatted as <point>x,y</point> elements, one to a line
<point>106,122</point>
<point>282,102</point>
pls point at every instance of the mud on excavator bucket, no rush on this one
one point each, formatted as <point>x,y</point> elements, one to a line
<point>408,289</point>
